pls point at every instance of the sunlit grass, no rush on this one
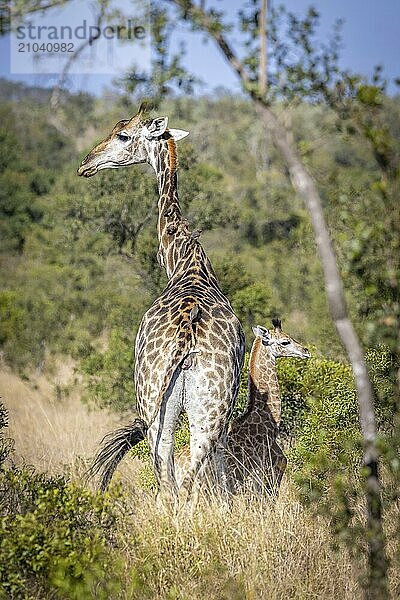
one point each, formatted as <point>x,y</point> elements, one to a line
<point>250,548</point>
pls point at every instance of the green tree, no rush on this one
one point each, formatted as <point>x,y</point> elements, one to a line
<point>311,73</point>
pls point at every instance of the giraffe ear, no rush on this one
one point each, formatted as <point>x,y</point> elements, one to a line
<point>156,128</point>
<point>261,332</point>
<point>178,134</point>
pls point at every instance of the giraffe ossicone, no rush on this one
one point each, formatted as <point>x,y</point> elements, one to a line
<point>190,345</point>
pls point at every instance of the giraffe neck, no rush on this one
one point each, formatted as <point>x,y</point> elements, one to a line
<point>263,395</point>
<point>164,162</point>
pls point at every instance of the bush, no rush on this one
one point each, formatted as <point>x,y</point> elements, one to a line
<point>110,373</point>
<point>13,327</point>
<point>382,368</point>
<point>320,411</point>
<point>325,423</point>
<point>320,414</point>
<point>254,304</point>
<point>55,537</point>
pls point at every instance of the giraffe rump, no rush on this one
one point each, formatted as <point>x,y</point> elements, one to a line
<point>185,341</point>
<point>115,445</point>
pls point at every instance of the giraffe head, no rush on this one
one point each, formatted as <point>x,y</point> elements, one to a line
<point>279,343</point>
<point>132,141</point>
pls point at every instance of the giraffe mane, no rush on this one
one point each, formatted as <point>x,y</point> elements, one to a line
<point>173,156</point>
<point>254,356</point>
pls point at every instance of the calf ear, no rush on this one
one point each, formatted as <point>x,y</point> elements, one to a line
<point>178,134</point>
<point>156,128</point>
<point>260,331</point>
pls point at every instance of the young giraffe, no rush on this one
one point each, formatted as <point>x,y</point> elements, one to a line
<point>190,345</point>
<point>254,458</point>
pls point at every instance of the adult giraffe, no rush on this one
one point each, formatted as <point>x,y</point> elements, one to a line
<point>190,345</point>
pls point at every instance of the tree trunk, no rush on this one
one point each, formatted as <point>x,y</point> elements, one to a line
<point>262,63</point>
<point>306,189</point>
<point>376,587</point>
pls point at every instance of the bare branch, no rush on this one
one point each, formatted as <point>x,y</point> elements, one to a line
<point>56,94</point>
<point>262,63</point>
<point>198,15</point>
<point>36,7</point>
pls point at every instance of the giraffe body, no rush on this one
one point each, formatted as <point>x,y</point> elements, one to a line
<point>195,369</point>
<point>190,345</point>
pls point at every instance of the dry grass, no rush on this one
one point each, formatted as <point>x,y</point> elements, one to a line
<point>252,549</point>
<point>52,434</point>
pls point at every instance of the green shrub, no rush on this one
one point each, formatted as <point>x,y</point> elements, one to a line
<point>232,274</point>
<point>12,320</point>
<point>320,411</point>
<point>254,304</point>
<point>109,374</point>
<point>382,367</point>
<point>325,425</point>
<point>55,537</point>
<point>320,415</point>
<point>13,327</point>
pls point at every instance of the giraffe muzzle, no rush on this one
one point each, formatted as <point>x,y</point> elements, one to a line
<point>86,170</point>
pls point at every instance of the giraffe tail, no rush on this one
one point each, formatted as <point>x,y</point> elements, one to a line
<point>185,342</point>
<point>115,445</point>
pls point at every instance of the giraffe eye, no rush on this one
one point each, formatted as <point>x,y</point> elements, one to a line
<point>123,137</point>
<point>285,343</point>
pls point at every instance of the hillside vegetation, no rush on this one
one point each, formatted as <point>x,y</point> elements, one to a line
<point>78,270</point>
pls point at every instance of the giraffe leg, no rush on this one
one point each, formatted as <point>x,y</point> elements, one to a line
<point>161,444</point>
<point>208,405</point>
<point>261,472</point>
<point>209,483</point>
<point>207,456</point>
<point>222,477</point>
<point>267,469</point>
<point>206,483</point>
<point>279,468</point>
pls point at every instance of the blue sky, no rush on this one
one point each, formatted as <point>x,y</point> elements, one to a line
<point>371,35</point>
